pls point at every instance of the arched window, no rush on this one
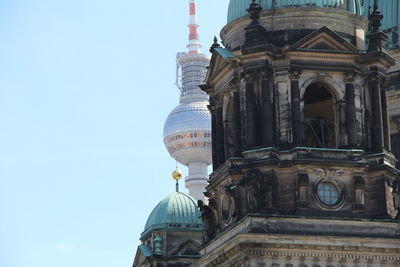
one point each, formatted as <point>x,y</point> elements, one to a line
<point>319,117</point>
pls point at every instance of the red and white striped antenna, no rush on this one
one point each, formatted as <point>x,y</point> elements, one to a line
<point>194,42</point>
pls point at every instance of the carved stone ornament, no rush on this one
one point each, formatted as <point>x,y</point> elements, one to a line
<point>214,45</point>
<point>329,174</point>
<point>385,82</point>
<point>212,107</point>
<point>254,11</point>
<point>295,74</point>
<point>376,77</point>
<point>349,77</point>
<point>392,198</point>
<point>234,84</point>
<point>248,77</point>
<point>227,92</point>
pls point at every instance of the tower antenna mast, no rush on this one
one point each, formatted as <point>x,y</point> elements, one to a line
<point>194,42</point>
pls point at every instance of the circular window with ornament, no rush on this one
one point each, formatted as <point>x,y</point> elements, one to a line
<point>329,193</point>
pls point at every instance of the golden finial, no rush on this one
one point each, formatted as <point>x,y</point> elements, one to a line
<point>177,175</point>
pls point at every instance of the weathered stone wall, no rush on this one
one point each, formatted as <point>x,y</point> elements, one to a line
<point>289,25</point>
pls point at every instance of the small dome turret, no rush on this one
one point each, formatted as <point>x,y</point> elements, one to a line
<point>176,212</point>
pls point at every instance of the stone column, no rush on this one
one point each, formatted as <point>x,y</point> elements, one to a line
<point>351,113</point>
<point>267,113</point>
<point>236,123</point>
<point>228,127</point>
<point>343,139</point>
<point>220,144</point>
<point>297,124</point>
<point>385,115</point>
<point>250,114</point>
<point>212,109</point>
<point>376,106</point>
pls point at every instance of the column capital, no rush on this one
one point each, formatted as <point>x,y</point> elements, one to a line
<point>229,90</point>
<point>212,107</point>
<point>247,77</point>
<point>295,74</point>
<point>375,77</point>
<point>234,84</point>
<point>385,82</point>
<point>349,77</point>
<point>396,119</point>
<point>264,74</point>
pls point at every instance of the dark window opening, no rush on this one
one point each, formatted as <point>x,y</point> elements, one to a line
<point>319,117</point>
<point>396,145</point>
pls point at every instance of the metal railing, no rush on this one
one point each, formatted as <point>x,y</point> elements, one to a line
<point>318,133</point>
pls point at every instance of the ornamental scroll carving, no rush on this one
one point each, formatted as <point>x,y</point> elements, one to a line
<point>329,174</point>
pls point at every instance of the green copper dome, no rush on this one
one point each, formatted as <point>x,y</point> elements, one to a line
<point>177,212</point>
<point>237,8</point>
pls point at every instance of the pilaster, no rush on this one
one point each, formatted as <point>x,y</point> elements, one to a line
<point>250,113</point>
<point>376,107</point>
<point>297,125</point>
<point>267,111</point>
<point>351,112</point>
<point>385,113</point>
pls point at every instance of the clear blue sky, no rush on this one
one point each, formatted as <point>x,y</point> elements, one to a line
<point>85,88</point>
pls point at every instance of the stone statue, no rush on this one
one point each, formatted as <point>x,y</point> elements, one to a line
<point>232,191</point>
<point>253,185</point>
<point>209,220</point>
<point>396,195</point>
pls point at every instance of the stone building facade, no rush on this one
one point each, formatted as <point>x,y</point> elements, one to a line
<point>305,132</point>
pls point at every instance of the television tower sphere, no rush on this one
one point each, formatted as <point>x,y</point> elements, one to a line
<point>187,130</point>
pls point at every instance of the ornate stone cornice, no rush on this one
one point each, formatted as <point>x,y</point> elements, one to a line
<point>281,252</point>
<point>323,56</point>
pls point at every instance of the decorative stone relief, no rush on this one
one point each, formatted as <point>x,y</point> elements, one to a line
<point>328,173</point>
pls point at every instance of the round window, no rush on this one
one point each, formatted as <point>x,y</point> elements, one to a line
<point>328,193</point>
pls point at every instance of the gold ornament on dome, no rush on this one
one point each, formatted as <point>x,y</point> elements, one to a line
<point>177,174</point>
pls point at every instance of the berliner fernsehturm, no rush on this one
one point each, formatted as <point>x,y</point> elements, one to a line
<point>187,130</point>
